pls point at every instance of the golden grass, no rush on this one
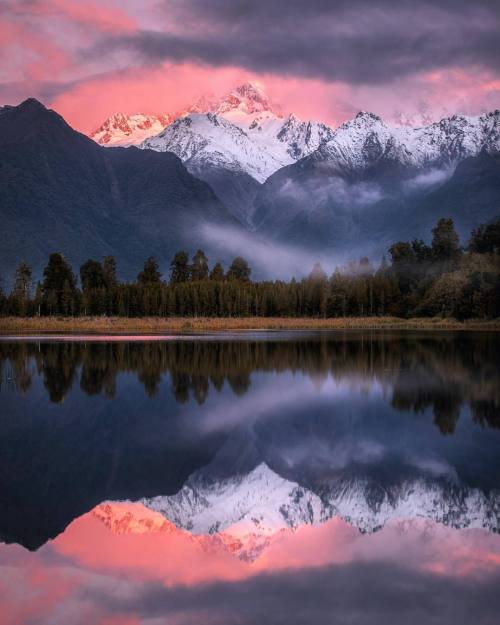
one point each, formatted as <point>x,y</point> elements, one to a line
<point>179,325</point>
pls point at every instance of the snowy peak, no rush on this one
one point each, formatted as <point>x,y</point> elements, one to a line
<point>124,517</point>
<point>243,131</point>
<point>302,138</point>
<point>247,99</point>
<point>240,105</point>
<point>365,117</point>
<point>124,130</point>
<point>261,502</point>
<point>209,140</point>
<point>204,104</point>
<point>246,132</point>
<point>360,143</point>
<point>264,503</point>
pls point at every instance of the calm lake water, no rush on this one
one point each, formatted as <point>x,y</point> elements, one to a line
<point>285,477</point>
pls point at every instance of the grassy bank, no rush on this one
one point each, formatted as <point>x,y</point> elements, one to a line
<point>155,325</point>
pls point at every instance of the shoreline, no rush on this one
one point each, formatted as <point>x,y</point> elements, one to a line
<point>187,325</point>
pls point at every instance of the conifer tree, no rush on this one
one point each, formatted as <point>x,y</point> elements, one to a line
<point>445,244</point>
<point>239,270</point>
<point>109,272</point>
<point>179,268</point>
<point>199,267</point>
<point>58,282</point>
<point>22,289</point>
<point>150,273</point>
<point>217,273</point>
<point>91,275</point>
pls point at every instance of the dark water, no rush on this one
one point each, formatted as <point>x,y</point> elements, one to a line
<point>284,477</point>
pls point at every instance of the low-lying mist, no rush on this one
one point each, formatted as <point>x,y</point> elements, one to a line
<point>274,260</point>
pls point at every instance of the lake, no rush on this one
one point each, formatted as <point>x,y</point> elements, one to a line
<point>262,477</point>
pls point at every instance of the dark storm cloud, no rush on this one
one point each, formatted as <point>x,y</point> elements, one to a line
<point>359,41</point>
<point>354,594</point>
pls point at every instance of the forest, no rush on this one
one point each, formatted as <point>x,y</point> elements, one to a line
<point>442,279</point>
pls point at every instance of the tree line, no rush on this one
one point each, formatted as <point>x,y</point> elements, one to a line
<point>440,279</point>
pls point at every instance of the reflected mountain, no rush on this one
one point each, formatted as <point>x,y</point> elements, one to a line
<point>266,431</point>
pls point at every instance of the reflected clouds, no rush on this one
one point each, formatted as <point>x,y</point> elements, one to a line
<point>242,456</point>
<point>410,572</point>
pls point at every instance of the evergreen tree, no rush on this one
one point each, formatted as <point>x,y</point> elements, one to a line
<point>109,272</point>
<point>317,273</point>
<point>199,267</point>
<point>23,280</point>
<point>486,239</point>
<point>239,270</point>
<point>179,268</point>
<point>22,289</point>
<point>150,273</point>
<point>58,282</point>
<point>420,280</point>
<point>405,269</point>
<point>217,273</point>
<point>91,275</point>
<point>445,245</point>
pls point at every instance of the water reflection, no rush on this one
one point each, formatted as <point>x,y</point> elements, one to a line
<point>284,477</point>
<point>440,372</point>
<point>133,573</point>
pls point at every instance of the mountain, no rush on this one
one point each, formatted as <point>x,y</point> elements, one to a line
<point>238,144</point>
<point>241,106</point>
<point>217,434</point>
<point>364,143</point>
<point>265,503</point>
<point>370,182</point>
<point>126,518</point>
<point>60,191</point>
<point>221,154</point>
<point>470,197</point>
<point>125,130</point>
<point>246,165</point>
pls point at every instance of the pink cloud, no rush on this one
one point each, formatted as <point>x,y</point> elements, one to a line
<point>170,87</point>
<point>42,44</point>
<point>27,54</point>
<point>169,557</point>
<point>88,560</point>
<point>104,15</point>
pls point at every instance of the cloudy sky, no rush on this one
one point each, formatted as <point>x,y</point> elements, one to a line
<point>323,59</point>
<point>400,574</point>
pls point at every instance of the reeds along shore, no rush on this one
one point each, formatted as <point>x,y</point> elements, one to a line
<point>158,325</point>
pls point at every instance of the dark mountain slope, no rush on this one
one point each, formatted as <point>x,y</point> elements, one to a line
<point>313,204</point>
<point>236,189</point>
<point>470,197</point>
<point>59,191</point>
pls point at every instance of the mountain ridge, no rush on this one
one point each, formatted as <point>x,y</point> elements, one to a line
<point>264,503</point>
<point>59,190</point>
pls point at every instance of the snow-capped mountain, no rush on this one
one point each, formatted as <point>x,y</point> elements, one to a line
<point>210,140</point>
<point>125,130</point>
<point>263,503</point>
<point>125,518</point>
<point>366,140</point>
<point>238,143</point>
<point>375,183</point>
<point>304,183</point>
<point>246,103</point>
<point>243,132</point>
